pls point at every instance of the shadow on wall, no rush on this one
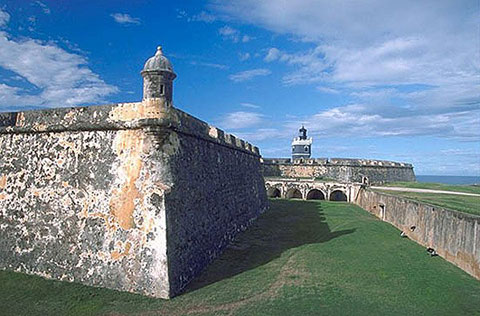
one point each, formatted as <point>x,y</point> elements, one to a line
<point>294,194</point>
<point>274,193</point>
<point>338,195</point>
<point>288,224</point>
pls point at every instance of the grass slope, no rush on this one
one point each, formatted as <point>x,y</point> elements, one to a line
<point>466,204</point>
<point>462,203</point>
<point>299,258</point>
<point>436,186</point>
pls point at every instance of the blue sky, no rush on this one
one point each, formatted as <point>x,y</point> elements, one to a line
<point>396,80</point>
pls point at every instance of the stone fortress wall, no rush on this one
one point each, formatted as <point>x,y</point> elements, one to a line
<point>136,197</point>
<point>343,170</point>
<point>454,235</point>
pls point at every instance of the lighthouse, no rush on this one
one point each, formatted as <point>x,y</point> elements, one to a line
<point>301,145</point>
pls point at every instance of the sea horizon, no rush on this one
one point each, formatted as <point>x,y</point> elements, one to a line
<point>449,179</point>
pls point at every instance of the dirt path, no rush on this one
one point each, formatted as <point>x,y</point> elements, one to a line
<point>423,190</point>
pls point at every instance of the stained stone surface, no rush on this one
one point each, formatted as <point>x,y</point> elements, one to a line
<point>136,197</point>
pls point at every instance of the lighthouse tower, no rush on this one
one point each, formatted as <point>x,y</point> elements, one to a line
<point>301,145</point>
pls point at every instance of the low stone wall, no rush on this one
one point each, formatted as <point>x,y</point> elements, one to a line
<point>344,170</point>
<point>135,197</point>
<point>454,235</point>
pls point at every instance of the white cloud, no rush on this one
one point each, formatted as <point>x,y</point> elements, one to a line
<point>4,18</point>
<point>359,120</point>
<point>246,38</point>
<point>240,119</point>
<point>328,90</point>
<point>234,35</point>
<point>243,56</point>
<point>402,42</point>
<point>272,54</point>
<point>250,105</point>
<point>59,78</point>
<point>412,65</point>
<point>124,18</point>
<point>228,32</point>
<point>210,65</point>
<point>11,98</point>
<point>249,74</point>
<point>310,67</point>
<point>204,17</point>
<point>44,7</point>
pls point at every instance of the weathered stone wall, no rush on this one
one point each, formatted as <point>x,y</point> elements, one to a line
<point>217,193</point>
<point>134,197</point>
<point>454,235</point>
<point>346,170</point>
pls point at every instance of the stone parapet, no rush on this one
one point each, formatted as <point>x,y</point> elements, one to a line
<point>122,116</point>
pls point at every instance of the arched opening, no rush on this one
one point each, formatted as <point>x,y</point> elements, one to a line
<point>294,194</point>
<point>315,195</point>
<point>365,180</point>
<point>273,193</point>
<point>338,195</point>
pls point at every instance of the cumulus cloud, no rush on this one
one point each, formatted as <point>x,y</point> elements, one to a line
<point>310,66</point>
<point>411,66</point>
<point>11,98</point>
<point>359,120</point>
<point>241,119</point>
<point>124,18</point>
<point>272,54</point>
<point>249,74</point>
<point>56,77</point>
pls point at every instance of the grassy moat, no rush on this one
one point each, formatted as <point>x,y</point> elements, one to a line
<point>299,258</point>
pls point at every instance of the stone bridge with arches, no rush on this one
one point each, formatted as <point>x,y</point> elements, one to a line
<point>308,189</point>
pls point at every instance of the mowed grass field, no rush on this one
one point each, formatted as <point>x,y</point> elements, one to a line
<point>299,258</point>
<point>436,186</point>
<point>462,203</point>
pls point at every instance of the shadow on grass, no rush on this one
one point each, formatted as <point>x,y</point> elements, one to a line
<point>288,224</point>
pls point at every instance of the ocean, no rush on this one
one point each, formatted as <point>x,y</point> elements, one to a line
<point>450,179</point>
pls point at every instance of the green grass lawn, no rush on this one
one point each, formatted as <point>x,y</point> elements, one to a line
<point>462,203</point>
<point>299,258</point>
<point>436,186</point>
<point>466,204</point>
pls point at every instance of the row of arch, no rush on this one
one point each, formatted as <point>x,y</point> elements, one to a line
<point>313,194</point>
